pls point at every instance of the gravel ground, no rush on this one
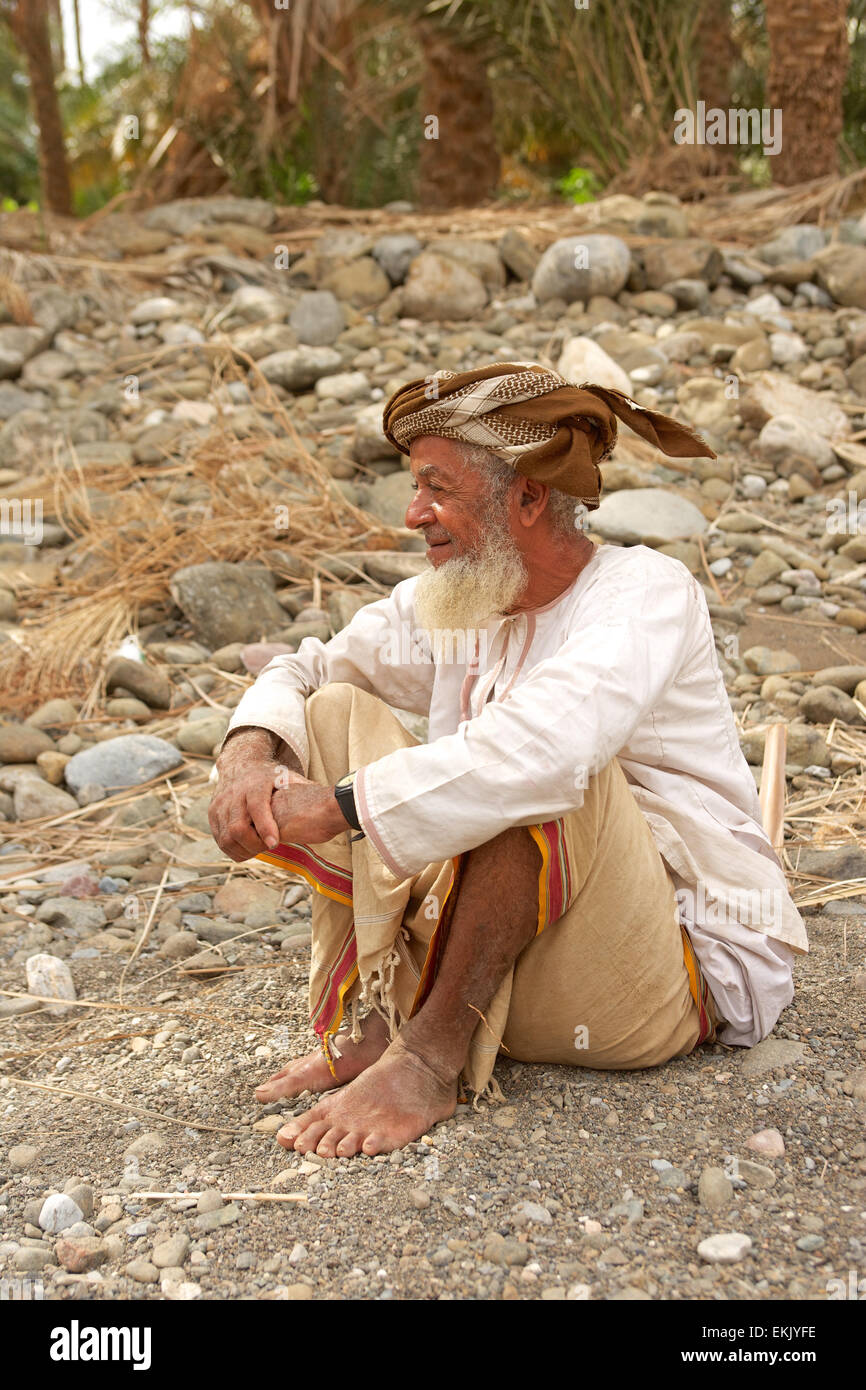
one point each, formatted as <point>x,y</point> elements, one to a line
<point>582,1185</point>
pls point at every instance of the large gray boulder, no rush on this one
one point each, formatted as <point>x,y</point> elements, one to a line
<point>438,288</point>
<point>647,516</point>
<point>578,267</point>
<point>228,602</point>
<point>121,762</point>
<point>317,318</point>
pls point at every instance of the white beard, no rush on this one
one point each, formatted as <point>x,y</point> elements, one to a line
<point>464,592</point>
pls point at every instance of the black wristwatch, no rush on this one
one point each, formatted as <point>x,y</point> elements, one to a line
<point>345,794</point>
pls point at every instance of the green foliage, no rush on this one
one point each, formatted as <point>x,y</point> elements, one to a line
<point>579,186</point>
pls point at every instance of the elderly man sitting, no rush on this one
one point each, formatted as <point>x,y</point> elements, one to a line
<point>573,867</point>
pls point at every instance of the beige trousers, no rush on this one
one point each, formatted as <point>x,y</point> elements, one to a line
<point>610,980</point>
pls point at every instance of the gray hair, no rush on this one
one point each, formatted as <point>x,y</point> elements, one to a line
<point>501,475</point>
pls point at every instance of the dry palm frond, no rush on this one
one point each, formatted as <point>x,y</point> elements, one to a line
<point>265,492</point>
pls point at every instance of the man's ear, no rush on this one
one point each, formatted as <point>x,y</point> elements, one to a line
<point>532,501</point>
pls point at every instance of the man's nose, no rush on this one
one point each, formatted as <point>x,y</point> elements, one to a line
<point>418,513</point>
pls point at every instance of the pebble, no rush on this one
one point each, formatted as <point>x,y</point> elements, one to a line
<point>725,1248</point>
<point>22,1157</point>
<point>767,1141</point>
<point>715,1189</point>
<point>58,1213</point>
<point>172,1252</point>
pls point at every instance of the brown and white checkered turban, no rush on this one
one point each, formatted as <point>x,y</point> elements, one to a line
<point>533,419</point>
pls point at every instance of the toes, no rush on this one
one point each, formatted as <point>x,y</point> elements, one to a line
<point>376,1144</point>
<point>310,1136</point>
<point>327,1145</point>
<point>350,1145</point>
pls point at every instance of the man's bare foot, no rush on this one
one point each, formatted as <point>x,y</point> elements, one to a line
<point>396,1100</point>
<point>312,1073</point>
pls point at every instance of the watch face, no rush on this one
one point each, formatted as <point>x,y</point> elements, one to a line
<point>346,781</point>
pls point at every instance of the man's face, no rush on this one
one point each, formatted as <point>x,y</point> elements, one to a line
<point>477,567</point>
<point>450,500</point>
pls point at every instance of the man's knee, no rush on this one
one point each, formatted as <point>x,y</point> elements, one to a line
<point>330,701</point>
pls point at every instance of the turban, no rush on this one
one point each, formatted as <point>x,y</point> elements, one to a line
<point>535,420</point>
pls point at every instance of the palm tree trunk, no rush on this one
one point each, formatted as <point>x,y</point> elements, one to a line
<point>29,23</point>
<point>143,26</point>
<point>461,165</point>
<point>77,18</point>
<point>808,63</point>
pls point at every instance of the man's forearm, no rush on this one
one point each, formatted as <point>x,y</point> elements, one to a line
<point>257,745</point>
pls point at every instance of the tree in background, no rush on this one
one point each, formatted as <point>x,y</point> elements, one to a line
<point>461,165</point>
<point>808,63</point>
<point>28,21</point>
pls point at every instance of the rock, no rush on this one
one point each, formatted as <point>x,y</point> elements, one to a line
<point>142,1271</point>
<point>715,1189</point>
<point>369,443</point>
<point>647,516</point>
<point>518,254</point>
<point>210,1200</point>
<point>798,243</point>
<point>202,735</point>
<point>298,368</point>
<point>18,343</point>
<point>770,661</point>
<point>767,1141</point>
<point>172,1252</point>
<point>58,1213</point>
<point>143,681</point>
<point>688,259</point>
<point>785,436</point>
<point>22,743</point>
<point>150,1142</point>
<point>395,253</point>
<point>583,360</point>
<point>155,310</point>
<point>855,1084</point>
<point>845,678</point>
<point>582,266</point>
<point>30,1259</point>
<point>362,282</point>
<point>824,703</point>
<point>69,913</point>
<point>706,404</point>
<point>298,1293</point>
<point>180,216</point>
<point>479,257</point>
<point>81,1253</point>
<point>755,1174</point>
<point>50,976</point>
<point>389,497</point>
<point>392,566</point>
<point>437,287</point>
<point>53,714</point>
<point>770,394</point>
<point>343,387</point>
<point>228,602</point>
<point>22,1157</point>
<point>725,1249</point>
<point>179,946</point>
<point>121,762</point>
<point>213,1220</point>
<point>841,271</point>
<point>255,656</point>
<point>771,1053</point>
<point>34,798</point>
<point>244,894</point>
<point>317,318</point>
<point>535,1213</point>
<point>205,965</point>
